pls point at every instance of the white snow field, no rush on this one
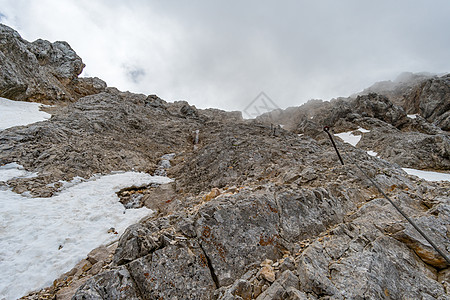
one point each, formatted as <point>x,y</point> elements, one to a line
<point>428,175</point>
<point>349,137</point>
<point>42,238</point>
<point>16,113</point>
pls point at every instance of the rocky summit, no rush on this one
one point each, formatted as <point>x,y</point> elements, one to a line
<point>259,209</point>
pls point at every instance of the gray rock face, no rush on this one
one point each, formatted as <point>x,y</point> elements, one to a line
<point>280,289</point>
<point>357,260</point>
<point>238,229</point>
<point>434,101</point>
<point>58,59</point>
<point>114,284</point>
<point>178,271</point>
<point>41,71</point>
<point>422,94</point>
<point>410,149</point>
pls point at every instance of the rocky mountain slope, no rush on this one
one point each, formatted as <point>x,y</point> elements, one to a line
<point>408,122</point>
<point>256,211</point>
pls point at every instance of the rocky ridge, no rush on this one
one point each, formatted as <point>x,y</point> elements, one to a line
<point>254,213</point>
<point>408,130</point>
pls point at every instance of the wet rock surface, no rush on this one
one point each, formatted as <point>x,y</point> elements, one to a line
<point>255,212</point>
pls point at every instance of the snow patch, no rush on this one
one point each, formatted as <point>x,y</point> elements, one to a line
<point>428,175</point>
<point>14,170</point>
<point>349,137</point>
<point>42,238</point>
<point>372,153</point>
<point>363,130</point>
<point>18,113</point>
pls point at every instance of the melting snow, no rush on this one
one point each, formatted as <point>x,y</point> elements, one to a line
<point>16,113</point>
<point>349,137</point>
<point>14,170</point>
<point>428,175</point>
<point>372,153</point>
<point>77,219</point>
<point>363,130</point>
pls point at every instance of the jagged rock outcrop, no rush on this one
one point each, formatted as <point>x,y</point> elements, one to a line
<point>422,94</point>
<point>416,142</point>
<point>42,71</point>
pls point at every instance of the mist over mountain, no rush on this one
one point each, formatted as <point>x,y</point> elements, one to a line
<point>222,55</point>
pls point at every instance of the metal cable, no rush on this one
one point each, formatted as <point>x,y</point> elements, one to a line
<point>326,129</point>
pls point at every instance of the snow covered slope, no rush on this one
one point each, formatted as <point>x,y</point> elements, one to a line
<point>17,113</point>
<point>41,238</point>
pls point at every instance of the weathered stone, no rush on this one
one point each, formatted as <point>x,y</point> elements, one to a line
<point>252,226</point>
<point>416,143</point>
<point>137,241</point>
<point>436,228</point>
<point>267,273</point>
<point>113,284</point>
<point>104,124</point>
<point>294,294</point>
<point>287,264</point>
<point>175,271</point>
<point>41,71</point>
<point>99,254</point>
<point>357,260</point>
<point>241,288</point>
<point>189,111</point>
<point>211,195</point>
<point>279,289</point>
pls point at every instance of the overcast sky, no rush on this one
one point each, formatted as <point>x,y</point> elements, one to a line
<point>225,54</point>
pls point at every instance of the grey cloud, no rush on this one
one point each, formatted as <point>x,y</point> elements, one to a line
<point>223,54</point>
<point>135,74</point>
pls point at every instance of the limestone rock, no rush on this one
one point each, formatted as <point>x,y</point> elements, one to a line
<point>41,71</point>
<point>114,284</point>
<point>279,289</point>
<point>266,272</point>
<point>420,142</point>
<point>436,227</point>
<point>176,271</point>
<point>136,242</point>
<point>211,195</point>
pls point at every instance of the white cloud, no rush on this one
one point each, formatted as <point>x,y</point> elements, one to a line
<point>224,54</point>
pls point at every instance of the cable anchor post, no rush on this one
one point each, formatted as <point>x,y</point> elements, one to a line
<point>327,130</point>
